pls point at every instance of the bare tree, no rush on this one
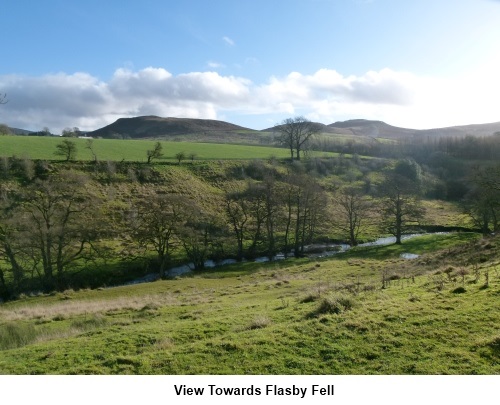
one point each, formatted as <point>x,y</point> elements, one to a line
<point>353,210</point>
<point>90,146</point>
<point>3,99</point>
<point>295,133</point>
<point>305,203</point>
<point>237,210</point>
<point>9,246</point>
<point>482,202</point>
<point>71,132</point>
<point>200,235</point>
<point>155,222</point>
<point>58,223</point>
<point>400,205</point>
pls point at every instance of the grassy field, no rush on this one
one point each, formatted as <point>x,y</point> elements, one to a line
<point>133,150</point>
<point>437,314</point>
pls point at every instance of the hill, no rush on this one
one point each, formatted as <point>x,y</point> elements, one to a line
<point>379,129</point>
<point>176,128</point>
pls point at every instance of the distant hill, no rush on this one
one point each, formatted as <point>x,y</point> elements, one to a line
<point>175,128</point>
<point>18,131</point>
<point>379,129</point>
<point>204,130</point>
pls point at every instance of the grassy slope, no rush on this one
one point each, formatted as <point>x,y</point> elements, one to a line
<point>264,319</point>
<point>132,150</point>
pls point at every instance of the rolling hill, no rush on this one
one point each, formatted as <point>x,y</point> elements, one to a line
<point>176,129</point>
<point>205,130</point>
<point>379,129</point>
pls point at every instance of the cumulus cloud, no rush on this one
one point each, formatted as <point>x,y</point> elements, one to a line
<point>400,98</point>
<point>81,100</point>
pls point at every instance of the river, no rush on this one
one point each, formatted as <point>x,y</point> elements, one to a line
<point>326,250</point>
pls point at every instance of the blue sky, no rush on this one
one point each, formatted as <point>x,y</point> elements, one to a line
<point>417,64</point>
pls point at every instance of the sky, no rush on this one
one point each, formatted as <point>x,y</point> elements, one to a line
<point>411,63</point>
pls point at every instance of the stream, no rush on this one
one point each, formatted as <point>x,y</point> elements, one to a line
<point>317,251</point>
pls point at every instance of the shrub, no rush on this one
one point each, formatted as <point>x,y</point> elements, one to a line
<point>459,290</point>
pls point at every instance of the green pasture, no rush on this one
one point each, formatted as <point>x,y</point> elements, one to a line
<point>133,150</point>
<point>307,316</point>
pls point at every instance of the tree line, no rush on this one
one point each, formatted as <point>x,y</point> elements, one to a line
<point>56,220</point>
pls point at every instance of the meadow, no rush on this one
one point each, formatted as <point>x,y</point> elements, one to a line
<point>363,312</point>
<point>367,311</point>
<point>33,147</point>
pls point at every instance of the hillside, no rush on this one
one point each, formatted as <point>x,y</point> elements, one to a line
<point>205,130</point>
<point>379,129</point>
<point>308,317</point>
<point>172,128</point>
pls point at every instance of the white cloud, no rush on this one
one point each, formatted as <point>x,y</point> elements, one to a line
<point>399,98</point>
<point>228,41</point>
<point>215,65</point>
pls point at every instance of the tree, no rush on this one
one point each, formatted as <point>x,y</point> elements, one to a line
<point>482,202</point>
<point>400,205</point>
<point>295,133</point>
<point>273,207</point>
<point>4,130</point>
<point>9,246</point>
<point>154,223</point>
<point>200,234</point>
<point>305,203</point>
<point>155,153</point>
<point>192,156</point>
<point>180,156</point>
<point>58,223</point>
<point>3,99</point>
<point>66,148</point>
<point>353,210</point>
<point>71,132</point>
<point>90,146</point>
<point>237,210</point>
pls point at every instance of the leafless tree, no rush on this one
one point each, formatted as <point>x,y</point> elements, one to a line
<point>295,133</point>
<point>353,209</point>
<point>9,238</point>
<point>238,212</point>
<point>155,222</point>
<point>305,203</point>
<point>3,99</point>
<point>400,205</point>
<point>58,222</point>
<point>482,202</point>
<point>90,146</point>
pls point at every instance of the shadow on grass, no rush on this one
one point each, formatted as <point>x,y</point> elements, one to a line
<point>418,245</point>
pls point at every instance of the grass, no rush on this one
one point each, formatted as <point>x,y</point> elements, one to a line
<point>133,150</point>
<point>295,317</point>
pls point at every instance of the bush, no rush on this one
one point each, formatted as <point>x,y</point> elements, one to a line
<point>459,290</point>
